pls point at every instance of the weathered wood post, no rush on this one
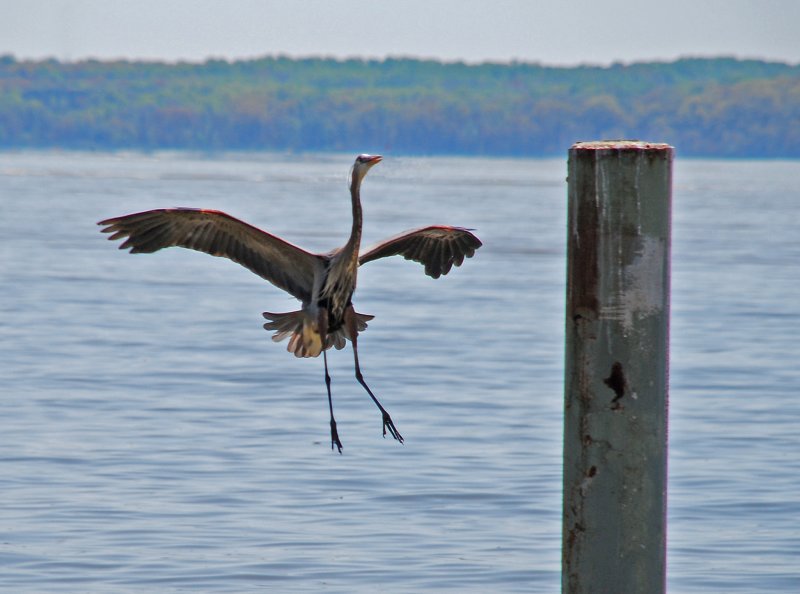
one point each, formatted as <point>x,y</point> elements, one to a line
<point>616,373</point>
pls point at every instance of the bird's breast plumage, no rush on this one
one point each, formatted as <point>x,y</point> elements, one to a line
<point>335,297</point>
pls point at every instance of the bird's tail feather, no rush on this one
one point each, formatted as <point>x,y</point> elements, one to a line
<point>304,334</point>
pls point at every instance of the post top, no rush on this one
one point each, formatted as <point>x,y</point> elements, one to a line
<point>621,145</point>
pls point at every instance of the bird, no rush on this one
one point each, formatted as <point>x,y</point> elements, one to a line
<point>323,282</point>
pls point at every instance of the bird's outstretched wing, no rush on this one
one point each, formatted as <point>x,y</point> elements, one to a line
<point>286,266</point>
<point>437,247</point>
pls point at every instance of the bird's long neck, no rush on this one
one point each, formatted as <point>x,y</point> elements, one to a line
<point>354,243</point>
<point>340,280</point>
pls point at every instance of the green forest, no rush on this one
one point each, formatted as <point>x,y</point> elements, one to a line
<point>718,107</point>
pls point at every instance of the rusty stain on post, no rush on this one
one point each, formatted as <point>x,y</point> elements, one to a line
<point>617,335</point>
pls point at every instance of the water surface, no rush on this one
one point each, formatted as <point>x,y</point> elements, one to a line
<point>153,437</point>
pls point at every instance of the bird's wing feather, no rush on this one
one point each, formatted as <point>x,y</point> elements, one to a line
<point>211,231</point>
<point>437,247</point>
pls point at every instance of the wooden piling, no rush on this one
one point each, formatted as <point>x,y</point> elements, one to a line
<point>616,372</point>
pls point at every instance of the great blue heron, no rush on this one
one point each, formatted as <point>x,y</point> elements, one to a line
<point>323,282</point>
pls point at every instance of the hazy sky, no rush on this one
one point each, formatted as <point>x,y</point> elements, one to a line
<point>551,32</point>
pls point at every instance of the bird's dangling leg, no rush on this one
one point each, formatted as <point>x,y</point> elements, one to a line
<point>334,434</point>
<point>387,420</point>
<point>388,424</point>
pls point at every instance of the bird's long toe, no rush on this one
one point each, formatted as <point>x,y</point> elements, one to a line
<point>388,425</point>
<point>335,437</point>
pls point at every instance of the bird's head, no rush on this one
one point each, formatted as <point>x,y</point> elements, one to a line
<point>363,164</point>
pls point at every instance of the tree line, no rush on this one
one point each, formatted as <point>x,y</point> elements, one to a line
<point>721,107</point>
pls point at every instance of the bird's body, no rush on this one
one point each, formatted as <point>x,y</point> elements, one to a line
<point>324,283</point>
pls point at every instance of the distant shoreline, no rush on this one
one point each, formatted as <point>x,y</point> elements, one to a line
<point>705,107</point>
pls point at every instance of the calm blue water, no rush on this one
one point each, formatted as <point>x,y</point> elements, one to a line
<point>154,439</point>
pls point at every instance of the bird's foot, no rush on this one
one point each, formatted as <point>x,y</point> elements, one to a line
<point>335,437</point>
<point>389,425</point>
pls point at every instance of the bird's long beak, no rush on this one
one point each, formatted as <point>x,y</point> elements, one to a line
<point>375,159</point>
